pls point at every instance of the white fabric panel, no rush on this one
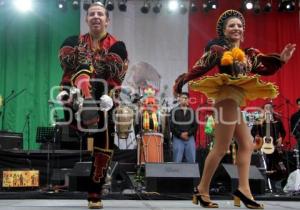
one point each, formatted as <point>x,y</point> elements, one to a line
<point>158,39</point>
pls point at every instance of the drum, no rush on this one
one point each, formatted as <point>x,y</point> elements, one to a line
<point>123,121</point>
<point>151,148</point>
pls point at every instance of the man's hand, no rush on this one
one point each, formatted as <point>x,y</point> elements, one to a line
<point>106,103</point>
<point>83,83</point>
<point>179,82</point>
<point>279,141</point>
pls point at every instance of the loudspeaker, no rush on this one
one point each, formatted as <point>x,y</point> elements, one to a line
<point>226,179</point>
<point>60,176</point>
<point>171,177</point>
<point>10,140</point>
<point>79,176</point>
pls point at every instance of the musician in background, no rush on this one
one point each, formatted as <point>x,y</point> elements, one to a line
<point>295,124</point>
<point>150,110</point>
<point>183,126</point>
<point>275,171</point>
<point>277,130</point>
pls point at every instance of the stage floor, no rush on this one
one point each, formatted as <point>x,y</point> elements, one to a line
<point>131,205</point>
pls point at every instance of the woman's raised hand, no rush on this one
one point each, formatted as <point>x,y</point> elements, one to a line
<point>287,52</point>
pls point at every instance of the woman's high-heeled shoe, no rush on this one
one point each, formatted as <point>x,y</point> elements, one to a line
<point>238,196</point>
<point>197,198</point>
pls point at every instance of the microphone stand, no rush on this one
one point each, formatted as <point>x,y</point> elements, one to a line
<point>296,135</point>
<point>27,124</point>
<point>6,100</point>
<point>2,114</point>
<point>288,103</point>
<point>296,125</point>
<point>80,135</point>
<point>288,143</point>
<point>51,157</point>
<point>168,129</point>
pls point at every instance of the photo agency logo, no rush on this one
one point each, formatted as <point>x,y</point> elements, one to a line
<point>128,108</point>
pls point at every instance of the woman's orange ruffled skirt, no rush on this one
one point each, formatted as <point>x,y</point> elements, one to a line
<point>241,89</point>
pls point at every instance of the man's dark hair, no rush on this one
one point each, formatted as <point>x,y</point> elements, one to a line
<point>185,94</point>
<point>97,3</point>
<point>268,103</point>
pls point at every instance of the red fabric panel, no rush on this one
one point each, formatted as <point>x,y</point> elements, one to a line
<point>268,32</point>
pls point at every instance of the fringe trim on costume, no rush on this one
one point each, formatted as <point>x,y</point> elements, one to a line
<point>241,88</point>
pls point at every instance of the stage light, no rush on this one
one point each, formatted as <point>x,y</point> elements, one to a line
<point>256,7</point>
<point>286,5</point>
<point>23,5</point>
<point>173,5</point>
<point>122,5</point>
<point>110,5</point>
<point>62,4</point>
<point>75,4</point>
<point>268,7</point>
<point>86,4</point>
<point>157,7</point>
<point>182,8</point>
<point>205,7</point>
<point>193,7</point>
<point>248,4</point>
<point>146,7</point>
<point>2,3</point>
<point>212,4</point>
<point>208,5</point>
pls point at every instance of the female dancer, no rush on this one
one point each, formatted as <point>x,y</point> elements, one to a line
<point>231,88</point>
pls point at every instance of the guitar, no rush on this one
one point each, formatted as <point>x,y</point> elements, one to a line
<point>268,147</point>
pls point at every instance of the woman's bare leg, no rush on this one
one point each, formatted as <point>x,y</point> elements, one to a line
<point>225,126</point>
<point>245,149</point>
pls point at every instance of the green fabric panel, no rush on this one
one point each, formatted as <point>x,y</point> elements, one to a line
<point>29,44</point>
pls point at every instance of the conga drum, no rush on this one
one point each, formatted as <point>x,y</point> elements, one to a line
<point>151,148</point>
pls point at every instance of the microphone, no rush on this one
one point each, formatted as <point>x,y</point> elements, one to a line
<point>9,97</point>
<point>135,98</point>
<point>28,114</point>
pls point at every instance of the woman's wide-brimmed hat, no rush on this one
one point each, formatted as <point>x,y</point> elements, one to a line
<point>224,16</point>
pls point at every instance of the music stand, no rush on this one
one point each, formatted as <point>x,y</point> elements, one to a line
<point>47,135</point>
